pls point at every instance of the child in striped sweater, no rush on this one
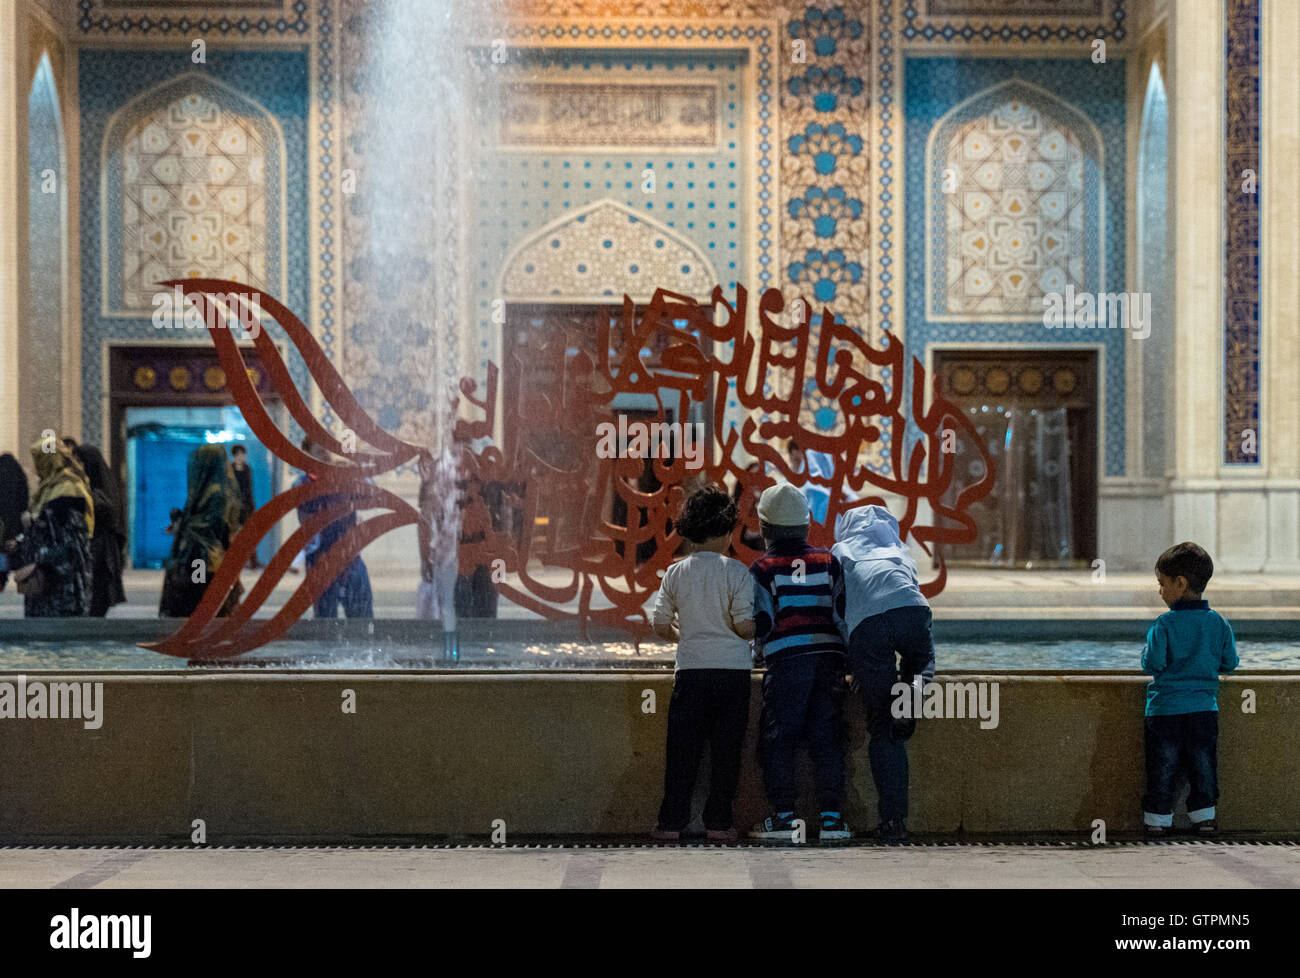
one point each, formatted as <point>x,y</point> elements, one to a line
<point>795,587</point>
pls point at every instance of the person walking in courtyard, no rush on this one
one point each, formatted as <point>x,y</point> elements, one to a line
<point>1186,649</point>
<point>351,589</point>
<point>243,473</point>
<point>705,605</point>
<point>795,585</point>
<point>53,556</point>
<point>202,534</point>
<point>885,621</point>
<point>14,495</point>
<point>108,545</point>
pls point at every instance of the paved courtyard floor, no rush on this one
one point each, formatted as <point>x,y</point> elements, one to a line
<point>1170,865</point>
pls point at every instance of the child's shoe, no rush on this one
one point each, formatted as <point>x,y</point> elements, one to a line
<point>1206,828</point>
<point>833,827</point>
<point>722,835</point>
<point>1155,831</point>
<point>779,825</point>
<point>664,835</point>
<point>891,830</point>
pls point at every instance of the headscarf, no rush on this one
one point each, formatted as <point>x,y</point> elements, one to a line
<point>14,494</point>
<point>207,475</point>
<point>102,481</point>
<point>871,533</point>
<point>60,475</point>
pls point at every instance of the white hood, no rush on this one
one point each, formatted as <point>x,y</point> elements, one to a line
<point>870,533</point>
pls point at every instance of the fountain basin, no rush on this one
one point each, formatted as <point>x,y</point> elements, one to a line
<point>273,757</point>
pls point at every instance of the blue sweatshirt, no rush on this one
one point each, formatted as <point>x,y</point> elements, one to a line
<point>1187,648</point>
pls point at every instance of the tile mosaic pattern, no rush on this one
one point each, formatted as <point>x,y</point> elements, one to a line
<point>113,79</point>
<point>698,195</point>
<point>826,118</point>
<point>1096,92</point>
<point>828,150</point>
<point>193,191</point>
<point>260,18</point>
<point>952,23</point>
<point>602,254</point>
<point>1015,204</point>
<point>1241,233</point>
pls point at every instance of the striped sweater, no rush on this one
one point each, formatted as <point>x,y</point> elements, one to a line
<point>794,603</point>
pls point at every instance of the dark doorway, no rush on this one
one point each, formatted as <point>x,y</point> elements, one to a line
<point>1037,411</point>
<point>164,401</point>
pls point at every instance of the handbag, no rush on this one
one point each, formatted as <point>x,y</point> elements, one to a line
<point>33,585</point>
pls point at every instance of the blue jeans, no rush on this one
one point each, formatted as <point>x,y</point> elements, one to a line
<point>351,591</point>
<point>905,633</point>
<point>803,699</point>
<point>1182,744</point>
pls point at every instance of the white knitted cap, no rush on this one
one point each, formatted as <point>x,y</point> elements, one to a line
<point>783,505</point>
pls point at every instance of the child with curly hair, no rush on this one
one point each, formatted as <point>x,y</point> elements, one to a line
<point>711,598</point>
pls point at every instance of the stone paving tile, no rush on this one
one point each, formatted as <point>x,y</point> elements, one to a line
<point>1205,866</point>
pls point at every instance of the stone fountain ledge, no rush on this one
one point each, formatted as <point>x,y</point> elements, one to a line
<point>274,758</point>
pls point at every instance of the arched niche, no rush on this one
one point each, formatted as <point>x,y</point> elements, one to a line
<point>602,252</point>
<point>193,185</point>
<point>1015,205</point>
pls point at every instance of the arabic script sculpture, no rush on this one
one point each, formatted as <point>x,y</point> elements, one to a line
<point>588,566</point>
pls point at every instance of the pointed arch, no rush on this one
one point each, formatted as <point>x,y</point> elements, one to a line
<point>193,184</point>
<point>1015,204</point>
<point>602,252</point>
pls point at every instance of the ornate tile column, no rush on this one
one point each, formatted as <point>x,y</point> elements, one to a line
<point>1197,103</point>
<point>1280,243</point>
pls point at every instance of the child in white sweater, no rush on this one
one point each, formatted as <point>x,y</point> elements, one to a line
<point>711,597</point>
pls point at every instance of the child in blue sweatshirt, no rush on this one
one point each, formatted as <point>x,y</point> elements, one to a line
<point>1186,649</point>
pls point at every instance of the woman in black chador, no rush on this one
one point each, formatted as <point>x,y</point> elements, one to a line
<point>202,534</point>
<point>53,556</point>
<point>14,492</point>
<point>108,545</point>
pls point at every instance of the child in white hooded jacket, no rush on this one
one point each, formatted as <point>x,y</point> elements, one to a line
<point>885,621</point>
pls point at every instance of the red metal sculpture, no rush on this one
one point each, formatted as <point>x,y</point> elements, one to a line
<point>609,569</point>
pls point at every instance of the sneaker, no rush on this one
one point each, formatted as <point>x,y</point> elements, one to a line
<point>1155,831</point>
<point>1206,828</point>
<point>775,826</point>
<point>891,830</point>
<point>833,827</point>
<point>664,835</point>
<point>722,835</point>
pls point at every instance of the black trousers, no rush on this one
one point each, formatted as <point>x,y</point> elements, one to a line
<point>708,706</point>
<point>803,700</point>
<point>475,595</point>
<point>1184,744</point>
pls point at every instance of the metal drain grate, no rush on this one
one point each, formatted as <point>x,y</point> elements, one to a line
<point>567,846</point>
